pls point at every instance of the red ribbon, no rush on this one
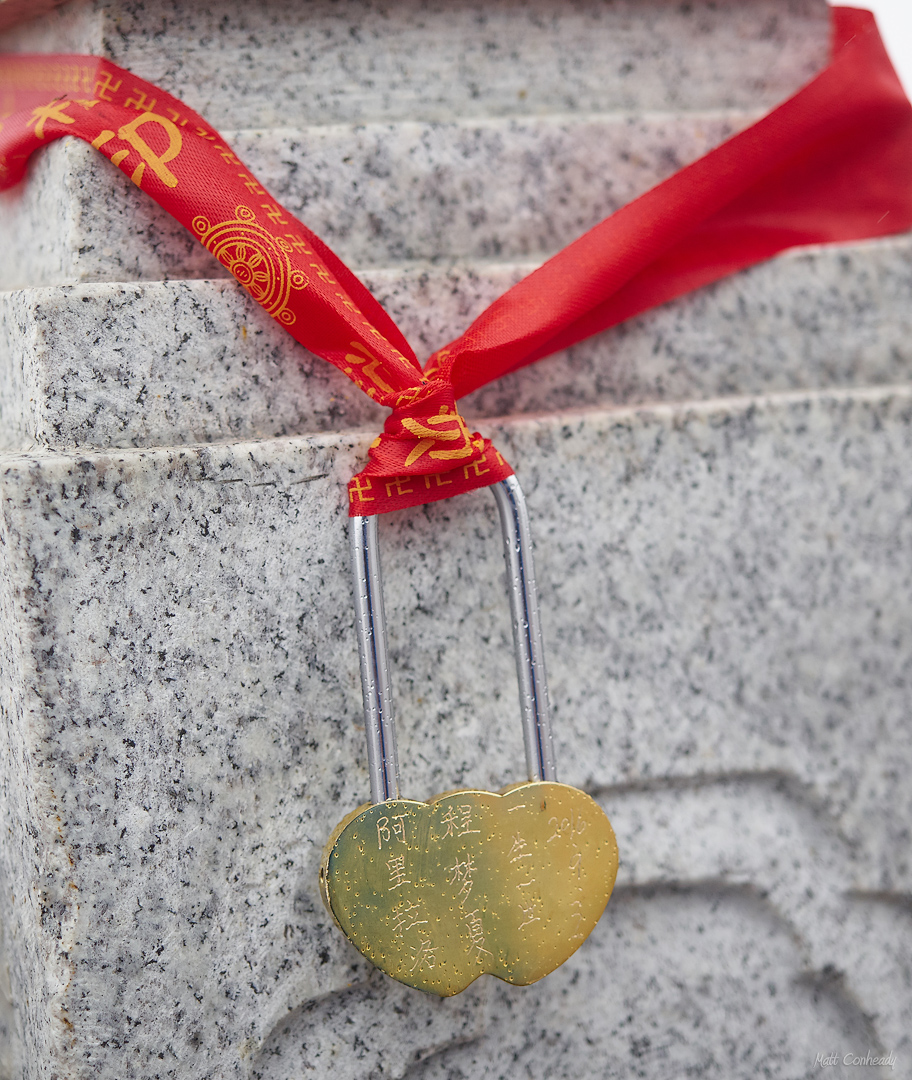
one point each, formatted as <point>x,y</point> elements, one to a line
<point>832,163</point>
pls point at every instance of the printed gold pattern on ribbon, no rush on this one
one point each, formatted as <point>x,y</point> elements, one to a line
<point>259,260</point>
<point>431,437</point>
<point>128,133</point>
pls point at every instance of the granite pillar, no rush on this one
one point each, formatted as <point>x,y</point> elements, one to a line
<point>721,508</point>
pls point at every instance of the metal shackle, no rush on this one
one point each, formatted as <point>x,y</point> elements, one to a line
<point>370,621</point>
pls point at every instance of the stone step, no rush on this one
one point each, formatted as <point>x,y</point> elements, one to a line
<point>724,589</point>
<point>378,194</point>
<point>283,63</point>
<point>168,363</point>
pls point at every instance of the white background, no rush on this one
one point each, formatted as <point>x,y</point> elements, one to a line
<point>894,17</point>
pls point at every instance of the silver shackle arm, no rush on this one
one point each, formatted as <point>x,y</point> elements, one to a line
<point>370,623</point>
<point>527,635</point>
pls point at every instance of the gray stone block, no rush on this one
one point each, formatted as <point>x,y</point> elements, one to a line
<point>378,194</point>
<point>721,511</point>
<point>374,160</point>
<point>283,63</point>
<point>724,595</point>
<point>167,363</point>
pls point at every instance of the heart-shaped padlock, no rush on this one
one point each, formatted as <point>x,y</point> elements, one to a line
<point>471,882</point>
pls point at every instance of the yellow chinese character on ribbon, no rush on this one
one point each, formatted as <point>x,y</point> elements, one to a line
<point>428,437</point>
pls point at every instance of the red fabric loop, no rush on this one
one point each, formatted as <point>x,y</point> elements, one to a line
<point>425,449</point>
<point>832,163</point>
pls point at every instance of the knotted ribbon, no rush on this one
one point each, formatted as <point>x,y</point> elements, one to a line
<point>831,164</point>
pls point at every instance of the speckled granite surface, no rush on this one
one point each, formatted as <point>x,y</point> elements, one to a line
<point>159,363</point>
<point>397,146</point>
<point>724,596</point>
<point>378,194</point>
<point>368,60</point>
<point>725,570</point>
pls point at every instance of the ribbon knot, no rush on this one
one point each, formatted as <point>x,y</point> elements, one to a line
<point>425,452</point>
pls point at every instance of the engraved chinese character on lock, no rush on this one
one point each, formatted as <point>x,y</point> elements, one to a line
<point>471,882</point>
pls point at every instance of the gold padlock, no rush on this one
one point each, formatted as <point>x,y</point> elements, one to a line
<point>510,884</point>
